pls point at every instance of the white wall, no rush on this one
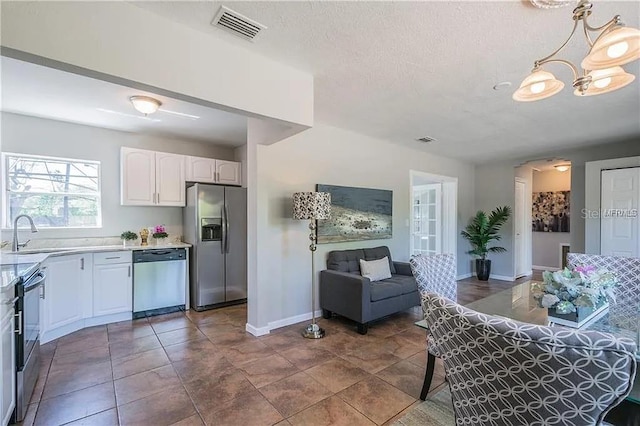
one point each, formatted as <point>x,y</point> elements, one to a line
<point>30,135</point>
<point>546,245</point>
<point>334,156</point>
<point>123,41</point>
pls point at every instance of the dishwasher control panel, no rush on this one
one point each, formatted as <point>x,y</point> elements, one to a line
<point>159,255</point>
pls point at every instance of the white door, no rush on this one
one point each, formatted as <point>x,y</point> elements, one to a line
<point>620,218</point>
<point>170,179</point>
<point>8,365</point>
<point>519,217</point>
<point>64,294</point>
<point>112,289</point>
<point>201,169</point>
<point>228,172</point>
<point>137,177</point>
<point>427,222</point>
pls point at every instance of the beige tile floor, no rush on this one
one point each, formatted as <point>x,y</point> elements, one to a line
<point>203,368</point>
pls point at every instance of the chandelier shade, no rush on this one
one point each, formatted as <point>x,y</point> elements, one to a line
<point>619,46</point>
<point>606,80</point>
<point>538,85</point>
<point>612,46</point>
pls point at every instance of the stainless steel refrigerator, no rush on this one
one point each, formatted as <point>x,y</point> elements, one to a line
<point>215,224</point>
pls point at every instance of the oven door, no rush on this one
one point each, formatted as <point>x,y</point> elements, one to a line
<point>31,316</point>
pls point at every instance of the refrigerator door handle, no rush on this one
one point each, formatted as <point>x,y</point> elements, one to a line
<point>226,225</point>
<point>223,241</point>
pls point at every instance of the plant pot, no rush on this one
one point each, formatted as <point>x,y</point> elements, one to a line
<point>128,243</point>
<point>483,269</point>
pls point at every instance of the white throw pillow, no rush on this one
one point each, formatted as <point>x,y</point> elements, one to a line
<point>375,270</point>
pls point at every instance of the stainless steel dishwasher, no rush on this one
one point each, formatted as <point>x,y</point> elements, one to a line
<point>159,281</point>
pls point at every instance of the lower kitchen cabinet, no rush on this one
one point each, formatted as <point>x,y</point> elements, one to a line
<point>67,287</point>
<point>8,365</point>
<point>112,289</point>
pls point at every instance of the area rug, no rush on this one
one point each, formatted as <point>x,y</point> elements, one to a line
<point>437,410</point>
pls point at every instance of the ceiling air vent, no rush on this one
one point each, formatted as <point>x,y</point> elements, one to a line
<point>237,24</point>
<point>425,139</point>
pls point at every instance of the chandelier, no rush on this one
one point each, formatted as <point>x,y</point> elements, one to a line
<point>614,45</point>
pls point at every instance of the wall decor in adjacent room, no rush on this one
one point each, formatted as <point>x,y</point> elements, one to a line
<point>551,212</point>
<point>356,214</point>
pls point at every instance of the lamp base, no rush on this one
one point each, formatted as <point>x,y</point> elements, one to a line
<point>313,331</point>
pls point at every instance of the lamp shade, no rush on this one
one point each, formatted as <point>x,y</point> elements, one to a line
<point>311,205</point>
<point>538,85</point>
<point>619,46</point>
<point>606,80</point>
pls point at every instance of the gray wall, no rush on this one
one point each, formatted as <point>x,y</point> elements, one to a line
<point>30,135</point>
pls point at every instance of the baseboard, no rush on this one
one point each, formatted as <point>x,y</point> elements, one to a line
<point>526,274</point>
<point>261,331</point>
<point>256,331</point>
<point>546,268</point>
<point>501,278</point>
<point>463,276</point>
<point>293,320</point>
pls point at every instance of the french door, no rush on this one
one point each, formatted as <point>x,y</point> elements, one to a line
<point>426,235</point>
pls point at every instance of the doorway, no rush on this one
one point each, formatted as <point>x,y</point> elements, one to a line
<point>433,226</point>
<point>520,218</point>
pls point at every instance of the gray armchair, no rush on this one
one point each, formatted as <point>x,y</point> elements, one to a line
<point>504,372</point>
<point>347,293</point>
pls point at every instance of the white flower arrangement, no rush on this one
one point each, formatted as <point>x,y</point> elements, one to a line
<point>568,290</point>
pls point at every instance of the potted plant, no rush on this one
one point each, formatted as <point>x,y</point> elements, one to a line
<point>159,233</point>
<point>574,297</point>
<point>481,230</point>
<point>128,238</point>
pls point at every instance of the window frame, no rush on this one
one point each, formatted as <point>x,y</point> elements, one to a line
<point>6,225</point>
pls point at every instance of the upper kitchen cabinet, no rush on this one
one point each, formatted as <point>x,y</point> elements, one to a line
<point>209,170</point>
<point>150,178</point>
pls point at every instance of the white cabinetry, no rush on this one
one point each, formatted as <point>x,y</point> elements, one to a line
<point>112,283</point>
<point>8,365</point>
<point>150,178</point>
<point>67,289</point>
<point>209,170</point>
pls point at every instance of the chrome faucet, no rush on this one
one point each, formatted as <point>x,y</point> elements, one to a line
<point>15,245</point>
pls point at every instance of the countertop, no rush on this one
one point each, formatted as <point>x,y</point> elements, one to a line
<point>40,255</point>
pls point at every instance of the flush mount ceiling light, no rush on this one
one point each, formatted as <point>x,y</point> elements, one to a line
<point>562,167</point>
<point>615,45</point>
<point>145,104</point>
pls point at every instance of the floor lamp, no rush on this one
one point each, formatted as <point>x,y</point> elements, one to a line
<point>312,206</point>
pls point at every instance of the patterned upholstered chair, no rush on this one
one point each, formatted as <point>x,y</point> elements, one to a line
<point>504,372</point>
<point>434,274</point>
<point>627,293</point>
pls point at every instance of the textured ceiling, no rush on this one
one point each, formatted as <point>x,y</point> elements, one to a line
<point>39,91</point>
<point>403,70</point>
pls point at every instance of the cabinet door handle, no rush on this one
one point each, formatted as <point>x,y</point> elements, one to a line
<point>113,257</point>
<point>129,271</point>
<point>19,316</point>
<point>82,264</point>
<point>42,294</point>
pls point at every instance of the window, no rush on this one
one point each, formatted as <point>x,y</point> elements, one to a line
<point>55,192</point>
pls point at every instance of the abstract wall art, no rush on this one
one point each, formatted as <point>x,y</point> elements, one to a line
<point>551,212</point>
<point>356,214</point>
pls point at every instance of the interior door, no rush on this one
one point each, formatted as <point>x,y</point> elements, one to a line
<point>427,219</point>
<point>619,216</point>
<point>520,224</point>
